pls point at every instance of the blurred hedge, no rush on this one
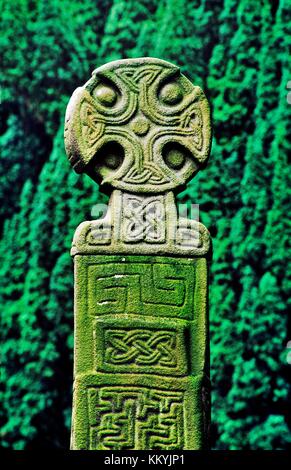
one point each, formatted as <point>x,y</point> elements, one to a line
<point>238,51</point>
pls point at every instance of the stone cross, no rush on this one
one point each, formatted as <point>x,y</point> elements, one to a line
<point>140,129</point>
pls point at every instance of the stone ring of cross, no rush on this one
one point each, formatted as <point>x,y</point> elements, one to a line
<point>138,125</point>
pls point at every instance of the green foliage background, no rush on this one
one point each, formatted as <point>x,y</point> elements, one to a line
<point>239,52</point>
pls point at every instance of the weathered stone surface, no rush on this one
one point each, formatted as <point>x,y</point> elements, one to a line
<point>141,326</point>
<point>143,141</point>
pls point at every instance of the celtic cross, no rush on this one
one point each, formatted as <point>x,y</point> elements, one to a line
<point>140,129</point>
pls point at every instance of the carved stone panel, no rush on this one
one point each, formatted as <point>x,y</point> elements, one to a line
<point>153,413</point>
<point>135,417</point>
<point>143,347</point>
<point>141,286</point>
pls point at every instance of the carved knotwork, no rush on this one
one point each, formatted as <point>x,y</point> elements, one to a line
<point>142,104</point>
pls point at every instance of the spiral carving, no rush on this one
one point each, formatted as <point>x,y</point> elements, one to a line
<point>144,106</point>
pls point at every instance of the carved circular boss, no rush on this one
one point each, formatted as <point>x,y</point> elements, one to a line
<point>138,125</point>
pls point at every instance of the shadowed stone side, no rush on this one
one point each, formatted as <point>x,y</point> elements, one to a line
<point>141,318</point>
